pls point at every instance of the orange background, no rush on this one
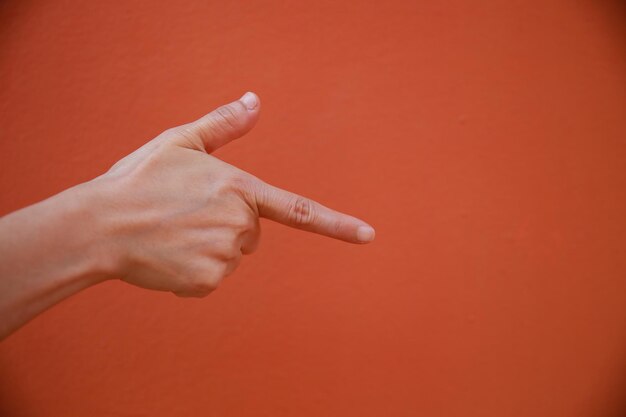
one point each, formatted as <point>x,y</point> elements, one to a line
<point>485,141</point>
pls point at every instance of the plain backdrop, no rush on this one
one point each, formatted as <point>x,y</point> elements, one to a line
<point>485,141</point>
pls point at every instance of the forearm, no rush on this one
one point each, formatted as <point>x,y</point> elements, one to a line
<point>48,251</point>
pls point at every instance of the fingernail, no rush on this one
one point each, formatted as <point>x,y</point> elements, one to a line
<point>249,100</point>
<point>365,234</point>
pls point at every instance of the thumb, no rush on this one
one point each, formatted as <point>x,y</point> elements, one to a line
<point>224,124</point>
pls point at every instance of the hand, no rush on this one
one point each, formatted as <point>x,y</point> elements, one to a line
<point>180,219</point>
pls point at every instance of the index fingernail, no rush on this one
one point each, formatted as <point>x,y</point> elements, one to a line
<point>365,234</point>
<point>249,100</point>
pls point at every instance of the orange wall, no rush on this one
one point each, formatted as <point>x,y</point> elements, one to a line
<point>485,140</point>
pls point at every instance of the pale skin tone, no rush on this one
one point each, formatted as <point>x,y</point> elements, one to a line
<point>167,217</point>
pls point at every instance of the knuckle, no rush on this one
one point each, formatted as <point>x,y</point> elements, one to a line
<point>117,165</point>
<point>237,181</point>
<point>222,269</point>
<point>228,250</point>
<point>227,117</point>
<point>223,187</point>
<point>172,131</point>
<point>243,223</point>
<point>232,182</point>
<point>248,186</point>
<point>202,286</point>
<point>301,211</point>
<point>249,250</point>
<point>187,133</point>
<point>337,227</point>
<point>183,131</point>
<point>250,246</point>
<point>206,281</point>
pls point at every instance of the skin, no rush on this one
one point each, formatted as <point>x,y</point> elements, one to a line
<point>167,217</point>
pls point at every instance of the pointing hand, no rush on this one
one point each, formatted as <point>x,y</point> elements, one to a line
<point>181,219</point>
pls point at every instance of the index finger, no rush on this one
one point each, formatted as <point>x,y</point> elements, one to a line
<point>305,214</point>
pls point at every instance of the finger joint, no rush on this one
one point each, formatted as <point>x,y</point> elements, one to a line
<point>301,211</point>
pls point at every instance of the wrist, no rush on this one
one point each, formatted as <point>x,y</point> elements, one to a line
<point>80,212</point>
<point>49,251</point>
